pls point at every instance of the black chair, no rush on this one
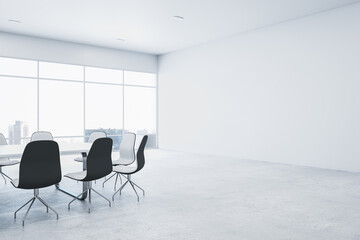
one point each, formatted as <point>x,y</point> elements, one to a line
<point>92,137</point>
<point>39,168</point>
<point>98,165</point>
<point>129,170</point>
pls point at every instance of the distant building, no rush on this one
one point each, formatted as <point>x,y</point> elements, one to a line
<point>113,133</point>
<point>18,131</point>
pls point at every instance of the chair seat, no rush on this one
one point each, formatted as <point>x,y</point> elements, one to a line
<point>78,159</point>
<point>124,169</point>
<point>7,162</point>
<point>15,182</point>
<point>122,161</point>
<point>76,175</point>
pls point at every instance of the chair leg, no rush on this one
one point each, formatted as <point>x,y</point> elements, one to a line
<point>90,189</point>
<point>120,178</point>
<point>102,196</point>
<point>139,188</point>
<point>108,179</point>
<point>76,198</point>
<point>117,175</point>
<point>3,176</point>
<point>128,177</point>
<point>119,190</point>
<point>2,173</point>
<point>32,199</point>
<point>23,221</point>
<point>132,185</point>
<point>44,203</point>
<point>48,206</point>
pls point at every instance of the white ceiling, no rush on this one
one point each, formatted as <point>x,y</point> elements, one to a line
<point>148,25</point>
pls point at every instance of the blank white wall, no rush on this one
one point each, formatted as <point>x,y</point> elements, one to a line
<point>288,93</point>
<point>18,46</point>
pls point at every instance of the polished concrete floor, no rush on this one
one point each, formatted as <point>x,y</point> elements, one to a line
<point>196,197</point>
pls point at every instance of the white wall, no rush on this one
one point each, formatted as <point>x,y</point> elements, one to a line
<point>288,93</point>
<point>18,46</point>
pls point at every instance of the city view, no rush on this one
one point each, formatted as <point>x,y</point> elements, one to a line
<point>19,134</point>
<point>59,98</point>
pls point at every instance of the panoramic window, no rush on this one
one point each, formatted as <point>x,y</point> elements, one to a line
<point>61,71</point>
<point>103,75</point>
<point>17,67</point>
<point>61,108</point>
<point>18,109</point>
<point>104,110</point>
<point>71,101</point>
<point>140,79</point>
<point>140,112</point>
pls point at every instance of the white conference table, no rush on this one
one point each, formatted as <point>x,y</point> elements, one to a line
<point>16,151</point>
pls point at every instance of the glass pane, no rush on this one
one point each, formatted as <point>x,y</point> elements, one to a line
<point>103,75</point>
<point>139,78</point>
<point>61,108</point>
<point>103,108</point>
<point>17,67</point>
<point>116,139</point>
<point>60,71</point>
<point>140,112</point>
<point>113,133</point>
<point>18,109</point>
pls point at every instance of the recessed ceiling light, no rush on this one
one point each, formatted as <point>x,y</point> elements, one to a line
<point>121,39</point>
<point>178,18</point>
<point>15,21</point>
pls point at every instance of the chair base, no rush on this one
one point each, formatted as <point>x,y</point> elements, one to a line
<point>118,176</point>
<point>32,200</point>
<point>128,180</point>
<point>90,189</point>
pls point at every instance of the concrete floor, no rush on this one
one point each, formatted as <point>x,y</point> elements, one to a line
<point>197,197</point>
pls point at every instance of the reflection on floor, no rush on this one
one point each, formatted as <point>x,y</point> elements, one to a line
<point>192,196</point>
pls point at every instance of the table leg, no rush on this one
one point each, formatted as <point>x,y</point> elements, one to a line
<point>84,195</point>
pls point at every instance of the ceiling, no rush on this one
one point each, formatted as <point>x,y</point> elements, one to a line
<point>149,26</point>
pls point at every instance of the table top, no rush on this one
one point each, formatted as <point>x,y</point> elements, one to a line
<point>15,151</point>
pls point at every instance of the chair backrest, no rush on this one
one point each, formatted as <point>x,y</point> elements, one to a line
<point>95,135</point>
<point>2,140</point>
<point>40,165</point>
<point>140,157</point>
<point>127,151</point>
<point>41,135</point>
<point>98,161</point>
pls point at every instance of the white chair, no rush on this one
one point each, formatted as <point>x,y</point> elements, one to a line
<point>127,154</point>
<point>5,161</point>
<point>41,135</point>
<point>92,137</point>
<point>130,170</point>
